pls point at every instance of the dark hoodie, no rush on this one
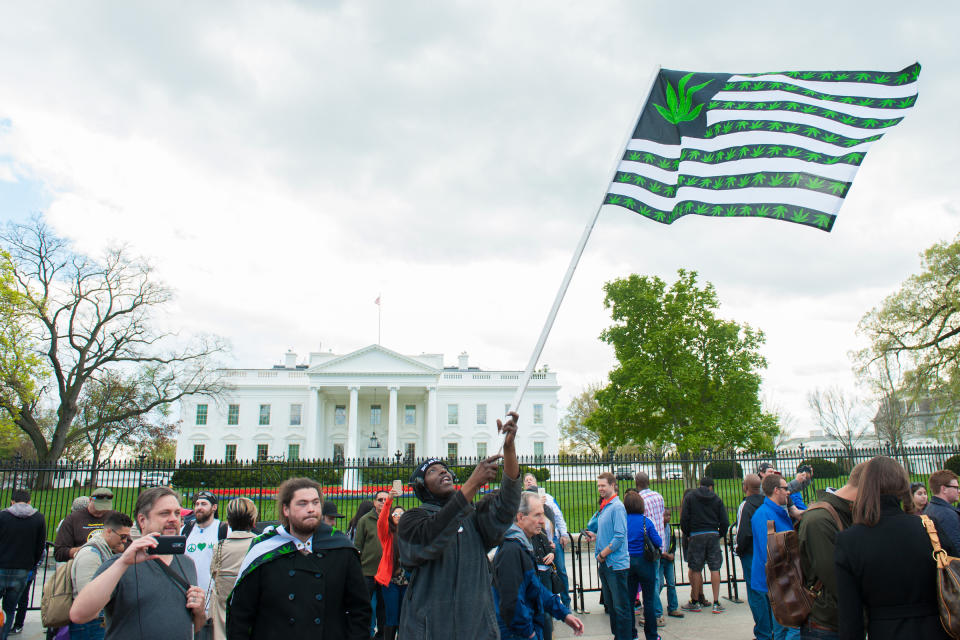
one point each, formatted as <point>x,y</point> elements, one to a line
<point>703,510</point>
<point>23,534</point>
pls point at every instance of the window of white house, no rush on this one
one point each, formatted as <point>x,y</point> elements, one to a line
<point>481,414</point>
<point>233,414</point>
<point>201,414</point>
<point>481,449</point>
<point>230,454</point>
<point>453,414</point>
<point>264,414</point>
<point>338,451</point>
<point>410,450</point>
<point>340,414</point>
<point>263,450</point>
<point>375,410</point>
<point>198,453</point>
<point>538,414</point>
<point>452,450</point>
<point>296,412</point>
<point>293,452</point>
<point>410,414</point>
<point>538,449</point>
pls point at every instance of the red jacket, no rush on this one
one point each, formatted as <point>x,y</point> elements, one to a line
<point>385,570</point>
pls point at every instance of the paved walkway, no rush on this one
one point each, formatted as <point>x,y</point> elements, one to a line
<point>733,624</point>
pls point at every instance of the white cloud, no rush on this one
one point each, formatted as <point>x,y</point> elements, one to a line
<point>281,164</point>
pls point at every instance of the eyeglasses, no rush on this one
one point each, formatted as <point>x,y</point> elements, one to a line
<point>953,486</point>
<point>783,487</point>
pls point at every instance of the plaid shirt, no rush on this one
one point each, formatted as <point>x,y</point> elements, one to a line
<point>653,509</point>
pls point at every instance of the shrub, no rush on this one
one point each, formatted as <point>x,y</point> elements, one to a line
<point>723,470</point>
<point>844,465</point>
<point>386,474</point>
<point>230,475</point>
<point>823,468</point>
<point>953,463</point>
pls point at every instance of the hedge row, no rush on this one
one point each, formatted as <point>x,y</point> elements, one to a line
<point>213,474</point>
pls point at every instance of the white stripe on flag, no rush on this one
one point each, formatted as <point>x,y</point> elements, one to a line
<point>744,138</point>
<point>718,115</point>
<point>784,97</point>
<point>839,171</point>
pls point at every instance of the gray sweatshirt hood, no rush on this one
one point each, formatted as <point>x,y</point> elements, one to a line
<point>21,510</point>
<point>516,533</point>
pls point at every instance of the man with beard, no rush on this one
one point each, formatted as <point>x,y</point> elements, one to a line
<point>79,526</point>
<point>301,579</point>
<point>444,544</point>
<point>202,536</point>
<point>146,596</point>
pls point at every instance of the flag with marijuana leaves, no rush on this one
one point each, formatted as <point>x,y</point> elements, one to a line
<point>783,145</point>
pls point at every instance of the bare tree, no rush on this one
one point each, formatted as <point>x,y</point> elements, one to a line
<point>840,415</point>
<point>895,394</point>
<point>574,429</point>
<point>86,317</point>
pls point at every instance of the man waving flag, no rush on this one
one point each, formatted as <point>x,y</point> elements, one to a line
<point>783,145</point>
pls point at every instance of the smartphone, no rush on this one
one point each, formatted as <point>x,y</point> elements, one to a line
<point>398,486</point>
<point>541,492</point>
<point>167,545</point>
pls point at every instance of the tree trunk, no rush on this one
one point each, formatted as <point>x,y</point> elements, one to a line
<point>94,467</point>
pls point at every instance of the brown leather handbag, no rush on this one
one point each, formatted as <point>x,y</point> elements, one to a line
<point>948,582</point>
<point>790,600</point>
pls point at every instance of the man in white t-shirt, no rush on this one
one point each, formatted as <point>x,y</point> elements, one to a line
<point>202,538</point>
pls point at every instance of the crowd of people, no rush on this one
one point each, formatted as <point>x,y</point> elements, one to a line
<point>456,567</point>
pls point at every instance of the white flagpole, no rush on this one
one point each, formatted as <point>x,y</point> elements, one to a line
<point>575,259</point>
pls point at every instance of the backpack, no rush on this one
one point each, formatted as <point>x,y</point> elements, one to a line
<point>221,530</point>
<point>790,598</point>
<point>57,597</point>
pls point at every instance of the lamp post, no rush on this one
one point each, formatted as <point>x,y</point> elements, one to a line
<point>801,450</point>
<point>398,454</point>
<point>142,457</point>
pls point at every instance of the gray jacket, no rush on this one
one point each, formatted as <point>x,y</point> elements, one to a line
<point>445,549</point>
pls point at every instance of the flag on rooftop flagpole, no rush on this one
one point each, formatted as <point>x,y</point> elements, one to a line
<point>783,145</point>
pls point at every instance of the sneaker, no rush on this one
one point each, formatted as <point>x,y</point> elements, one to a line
<point>661,622</point>
<point>675,613</point>
<point>692,606</point>
<point>16,630</point>
<point>717,607</point>
<point>704,602</point>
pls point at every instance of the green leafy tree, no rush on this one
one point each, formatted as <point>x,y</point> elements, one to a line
<point>916,331</point>
<point>580,438</point>
<point>83,317</point>
<point>684,376</point>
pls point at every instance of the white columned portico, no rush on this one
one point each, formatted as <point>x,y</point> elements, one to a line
<point>352,431</point>
<point>431,443</point>
<point>392,423</point>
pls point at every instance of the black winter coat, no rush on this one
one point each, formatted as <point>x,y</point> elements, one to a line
<point>703,510</point>
<point>887,573</point>
<point>321,596</point>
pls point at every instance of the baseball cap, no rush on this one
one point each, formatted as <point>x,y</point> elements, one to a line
<point>102,499</point>
<point>206,495</point>
<point>330,509</point>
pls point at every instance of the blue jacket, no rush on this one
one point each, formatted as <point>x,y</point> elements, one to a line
<point>610,525</point>
<point>947,518</point>
<point>797,500</point>
<point>637,525</point>
<point>518,595</point>
<point>769,510</point>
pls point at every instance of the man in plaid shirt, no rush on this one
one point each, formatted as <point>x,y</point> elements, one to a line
<point>653,509</point>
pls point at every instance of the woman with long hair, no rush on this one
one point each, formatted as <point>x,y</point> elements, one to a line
<point>362,510</point>
<point>886,574</point>
<point>390,575</point>
<point>227,558</point>
<point>643,572</point>
<point>918,491</point>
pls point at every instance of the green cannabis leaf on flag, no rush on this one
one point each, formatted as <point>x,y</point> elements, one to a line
<point>679,102</point>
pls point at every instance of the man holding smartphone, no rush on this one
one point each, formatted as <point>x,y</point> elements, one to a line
<point>146,596</point>
<point>444,544</point>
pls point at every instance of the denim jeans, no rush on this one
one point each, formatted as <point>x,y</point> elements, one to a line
<point>759,605</point>
<point>781,632</point>
<point>644,573</point>
<point>561,564</point>
<point>668,578</point>
<point>806,633</point>
<point>92,630</point>
<point>657,604</point>
<point>12,584</point>
<point>613,586</point>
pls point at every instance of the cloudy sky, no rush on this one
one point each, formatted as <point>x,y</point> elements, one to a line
<point>284,163</point>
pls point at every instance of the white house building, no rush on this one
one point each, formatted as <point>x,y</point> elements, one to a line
<point>371,403</point>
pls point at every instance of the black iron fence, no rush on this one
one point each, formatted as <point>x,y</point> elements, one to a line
<point>569,479</point>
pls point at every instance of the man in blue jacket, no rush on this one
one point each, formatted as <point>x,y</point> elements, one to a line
<point>944,490</point>
<point>609,528</point>
<point>777,496</point>
<point>520,598</point>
